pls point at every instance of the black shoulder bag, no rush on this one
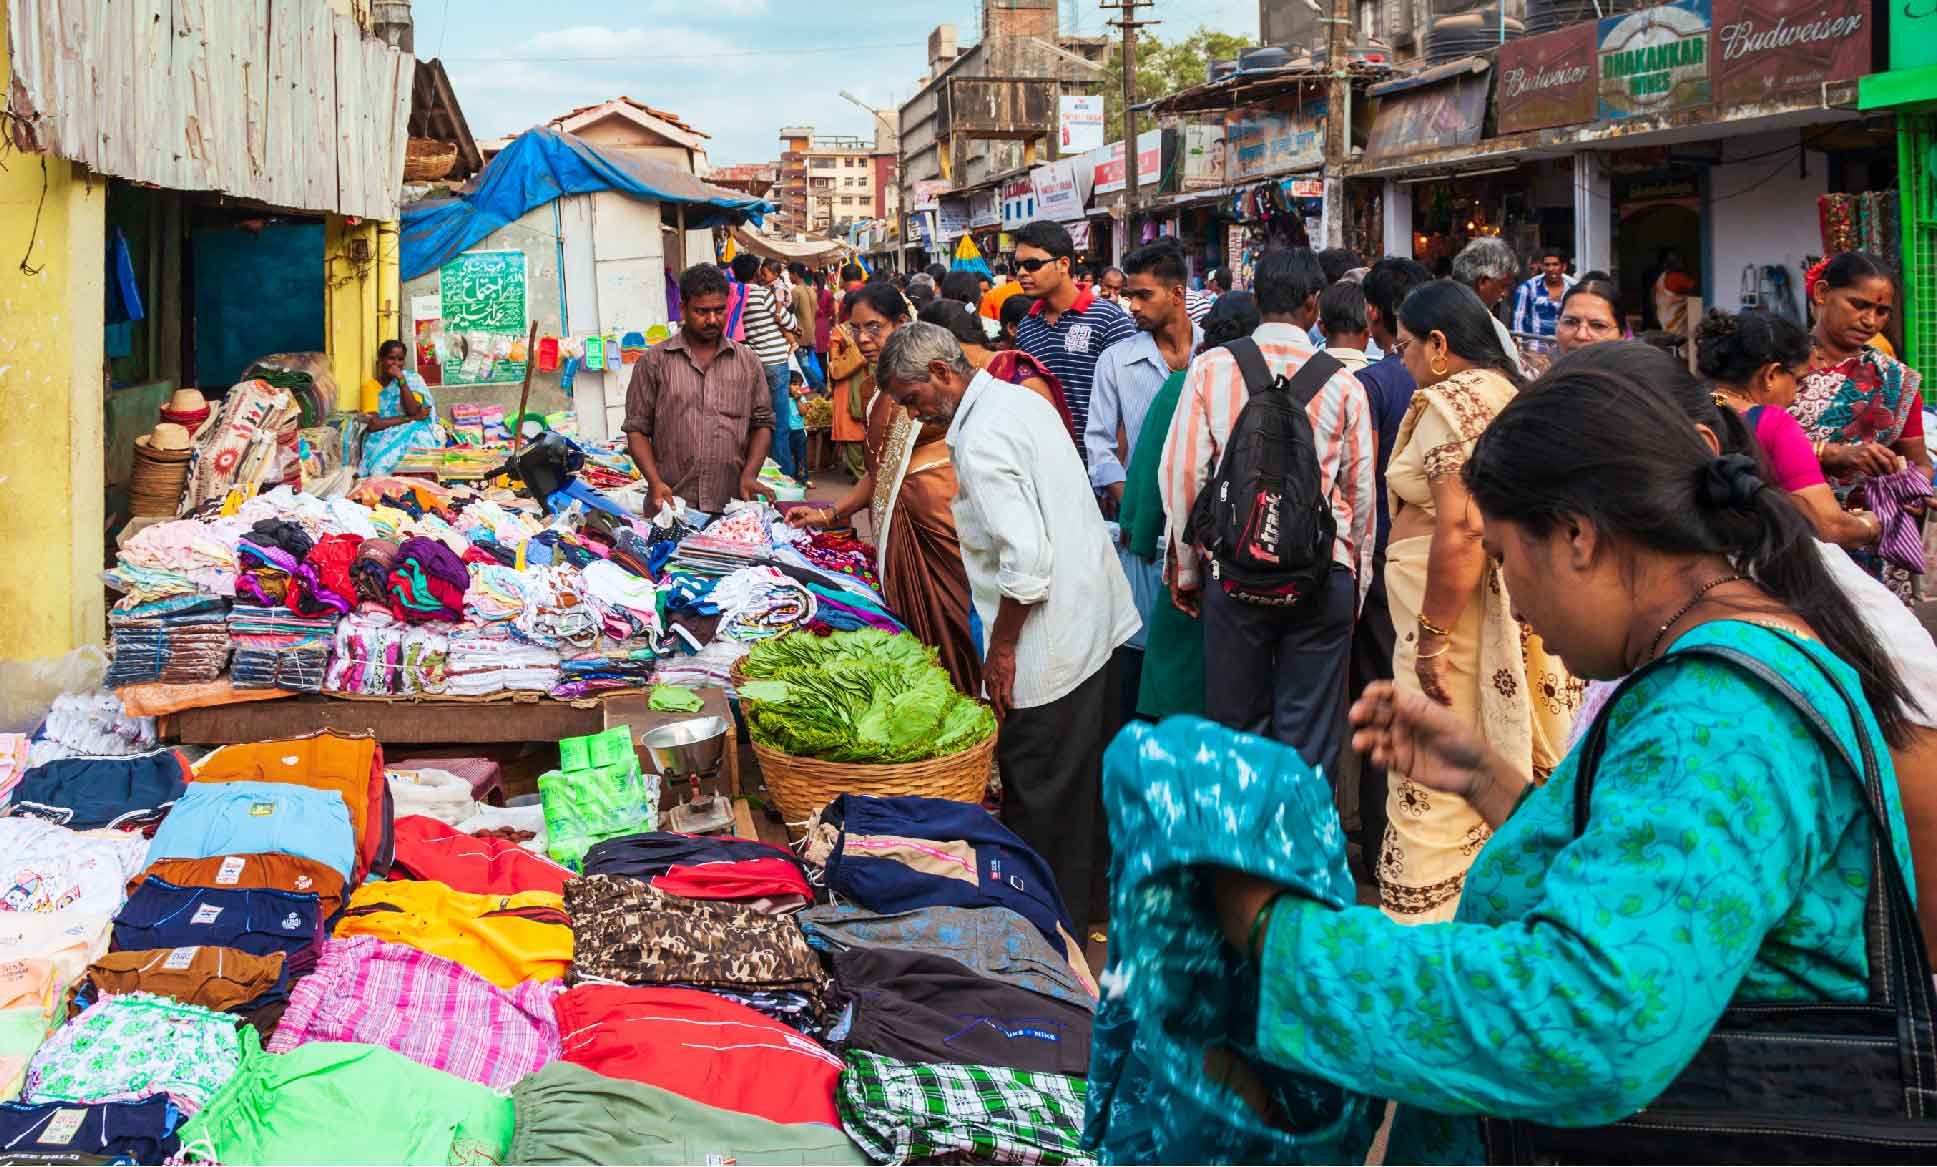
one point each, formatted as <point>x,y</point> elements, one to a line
<point>1792,1082</point>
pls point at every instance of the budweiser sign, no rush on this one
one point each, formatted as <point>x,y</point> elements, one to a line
<point>1547,80</point>
<point>1767,47</point>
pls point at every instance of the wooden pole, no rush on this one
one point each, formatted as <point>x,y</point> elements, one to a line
<point>524,391</point>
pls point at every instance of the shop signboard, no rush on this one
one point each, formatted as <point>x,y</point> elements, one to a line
<point>1432,117</point>
<point>1018,202</point>
<point>1765,47</point>
<point>1059,195</point>
<point>926,191</point>
<point>481,298</point>
<point>1203,165</point>
<point>1108,169</point>
<point>1079,233</point>
<point>1547,80</point>
<point>984,210</point>
<point>1082,123</point>
<point>1258,142</point>
<point>1913,35</point>
<point>1655,61</point>
<point>951,218</point>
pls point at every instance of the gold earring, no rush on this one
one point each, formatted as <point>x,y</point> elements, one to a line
<point>1439,366</point>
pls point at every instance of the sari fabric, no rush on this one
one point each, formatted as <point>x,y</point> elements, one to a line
<point>1501,677</point>
<point>1173,655</point>
<point>383,449</point>
<point>918,552</point>
<point>1869,397</point>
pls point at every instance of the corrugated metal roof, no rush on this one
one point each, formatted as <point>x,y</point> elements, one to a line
<point>1432,76</point>
<point>283,101</point>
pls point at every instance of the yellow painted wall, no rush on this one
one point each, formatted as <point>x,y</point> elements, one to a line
<point>52,380</point>
<point>352,280</point>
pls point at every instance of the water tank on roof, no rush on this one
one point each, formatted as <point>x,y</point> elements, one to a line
<point>1264,57</point>
<point>1220,69</point>
<point>1451,37</point>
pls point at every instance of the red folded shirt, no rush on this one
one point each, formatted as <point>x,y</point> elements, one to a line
<point>429,849</point>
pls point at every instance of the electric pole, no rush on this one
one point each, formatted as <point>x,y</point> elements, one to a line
<point>1128,22</point>
<point>1338,118</point>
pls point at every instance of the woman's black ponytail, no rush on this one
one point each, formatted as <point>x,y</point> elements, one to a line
<point>1609,440</point>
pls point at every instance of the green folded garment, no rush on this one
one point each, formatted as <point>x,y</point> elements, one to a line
<point>675,699</point>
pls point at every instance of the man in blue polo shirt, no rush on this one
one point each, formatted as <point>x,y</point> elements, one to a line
<point>1069,328</point>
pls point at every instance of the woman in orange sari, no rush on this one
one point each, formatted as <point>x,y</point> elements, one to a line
<point>907,490</point>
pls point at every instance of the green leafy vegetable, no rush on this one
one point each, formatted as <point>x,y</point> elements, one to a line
<point>868,696</point>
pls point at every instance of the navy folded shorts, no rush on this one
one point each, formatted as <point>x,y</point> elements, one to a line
<point>260,921</point>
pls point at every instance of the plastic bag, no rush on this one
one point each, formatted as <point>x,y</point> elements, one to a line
<point>28,688</point>
<point>438,794</point>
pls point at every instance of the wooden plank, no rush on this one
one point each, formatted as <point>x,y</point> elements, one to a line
<point>393,722</point>
<point>319,150</point>
<point>344,145</point>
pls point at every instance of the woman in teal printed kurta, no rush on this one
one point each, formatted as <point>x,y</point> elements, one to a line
<point>1725,859</point>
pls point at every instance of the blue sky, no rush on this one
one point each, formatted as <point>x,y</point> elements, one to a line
<point>735,69</point>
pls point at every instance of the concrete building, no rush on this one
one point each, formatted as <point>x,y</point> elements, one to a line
<point>826,182</point>
<point>991,107</point>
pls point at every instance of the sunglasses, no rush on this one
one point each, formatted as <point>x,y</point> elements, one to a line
<point>1033,265</point>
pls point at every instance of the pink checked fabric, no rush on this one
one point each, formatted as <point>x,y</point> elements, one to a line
<point>431,1010</point>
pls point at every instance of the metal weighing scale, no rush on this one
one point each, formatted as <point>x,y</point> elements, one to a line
<point>692,750</point>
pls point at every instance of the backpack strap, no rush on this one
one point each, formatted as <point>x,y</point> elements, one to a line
<point>1303,385</point>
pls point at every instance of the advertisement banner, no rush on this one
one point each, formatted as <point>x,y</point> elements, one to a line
<point>985,210</point>
<point>1082,123</point>
<point>1018,202</point>
<point>926,191</point>
<point>1547,80</point>
<point>1203,164</point>
<point>1058,194</point>
<point>951,217</point>
<point>1109,171</point>
<point>1765,47</point>
<point>1654,61</point>
<point>1437,117</point>
<point>1259,142</point>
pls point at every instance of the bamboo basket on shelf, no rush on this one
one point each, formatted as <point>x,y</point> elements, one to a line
<point>800,786</point>
<point>427,159</point>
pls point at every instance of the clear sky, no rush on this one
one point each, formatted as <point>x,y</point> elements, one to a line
<point>735,69</point>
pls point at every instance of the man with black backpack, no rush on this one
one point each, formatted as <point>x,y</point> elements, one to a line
<point>1268,472</point>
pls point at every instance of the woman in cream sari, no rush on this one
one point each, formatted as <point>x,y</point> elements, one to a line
<point>1458,641</point>
<point>907,491</point>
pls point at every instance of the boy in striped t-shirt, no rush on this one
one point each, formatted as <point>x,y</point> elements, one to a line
<point>769,317</point>
<point>1068,328</point>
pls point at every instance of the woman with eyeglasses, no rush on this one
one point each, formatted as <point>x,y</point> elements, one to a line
<point>1458,640</point>
<point>1754,361</point>
<point>907,491</point>
<point>1587,314</point>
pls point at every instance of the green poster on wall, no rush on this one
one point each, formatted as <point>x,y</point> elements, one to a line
<point>482,296</point>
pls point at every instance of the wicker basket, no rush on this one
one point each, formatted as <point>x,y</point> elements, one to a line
<point>427,159</point>
<point>801,786</point>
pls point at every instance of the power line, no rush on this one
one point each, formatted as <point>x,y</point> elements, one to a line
<point>626,58</point>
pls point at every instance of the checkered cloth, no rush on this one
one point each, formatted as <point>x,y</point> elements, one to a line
<point>431,1010</point>
<point>900,1112</point>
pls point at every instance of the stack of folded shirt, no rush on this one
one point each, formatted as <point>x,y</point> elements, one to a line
<point>373,654</point>
<point>496,595</point>
<point>427,582</point>
<point>710,668</point>
<point>479,665</point>
<point>758,602</point>
<point>278,649</point>
<point>181,641</point>
<point>605,672</point>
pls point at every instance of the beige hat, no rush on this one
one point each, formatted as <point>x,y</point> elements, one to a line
<point>187,401</point>
<point>167,436</point>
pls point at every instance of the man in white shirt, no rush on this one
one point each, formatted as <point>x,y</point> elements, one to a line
<point>1046,583</point>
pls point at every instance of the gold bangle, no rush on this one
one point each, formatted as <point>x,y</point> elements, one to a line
<point>1431,627</point>
<point>1432,655</point>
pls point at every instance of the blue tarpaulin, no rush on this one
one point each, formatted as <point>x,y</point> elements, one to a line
<point>541,165</point>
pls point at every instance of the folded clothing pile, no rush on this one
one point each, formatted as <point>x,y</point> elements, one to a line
<point>427,582</point>
<point>186,644</point>
<point>605,672</point>
<point>374,654</point>
<point>90,793</point>
<point>278,649</point>
<point>93,724</point>
<point>478,664</point>
<point>758,602</point>
<point>370,570</point>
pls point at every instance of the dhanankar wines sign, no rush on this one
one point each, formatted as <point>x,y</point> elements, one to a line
<point>1767,47</point>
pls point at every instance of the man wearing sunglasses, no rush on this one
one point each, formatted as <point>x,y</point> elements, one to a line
<point>1069,327</point>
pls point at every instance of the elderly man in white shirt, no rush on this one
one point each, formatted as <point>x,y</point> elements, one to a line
<point>1046,582</point>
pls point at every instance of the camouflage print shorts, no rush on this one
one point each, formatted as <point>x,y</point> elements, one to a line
<point>625,930</point>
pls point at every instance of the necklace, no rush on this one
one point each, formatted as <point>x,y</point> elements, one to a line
<point>1655,648</point>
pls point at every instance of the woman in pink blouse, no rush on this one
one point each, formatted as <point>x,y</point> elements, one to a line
<point>1754,360</point>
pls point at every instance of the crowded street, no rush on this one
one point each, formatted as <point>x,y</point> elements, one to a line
<point>978,581</point>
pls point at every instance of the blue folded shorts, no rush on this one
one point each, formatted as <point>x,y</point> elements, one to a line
<point>257,920</point>
<point>252,818</point>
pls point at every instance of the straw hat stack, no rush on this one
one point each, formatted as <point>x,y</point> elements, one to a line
<point>161,469</point>
<point>186,408</point>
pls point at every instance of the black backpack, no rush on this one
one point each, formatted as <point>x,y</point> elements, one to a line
<point>1262,518</point>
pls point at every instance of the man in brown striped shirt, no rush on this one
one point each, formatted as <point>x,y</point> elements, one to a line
<point>698,418</point>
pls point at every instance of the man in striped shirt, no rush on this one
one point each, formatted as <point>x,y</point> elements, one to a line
<point>1068,328</point>
<point>769,317</point>
<point>1277,672</point>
